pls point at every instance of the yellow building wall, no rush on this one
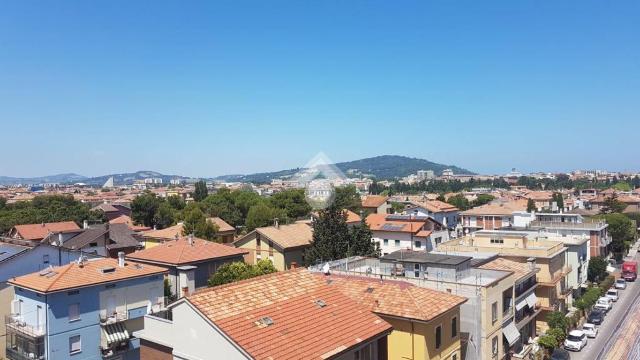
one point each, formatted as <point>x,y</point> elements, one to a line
<point>417,340</point>
<point>149,243</point>
<point>252,258</point>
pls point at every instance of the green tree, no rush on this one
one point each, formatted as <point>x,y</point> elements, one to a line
<point>164,216</point>
<point>3,203</point>
<point>482,199</point>
<point>557,320</point>
<point>397,207</point>
<point>222,204</point>
<point>263,215</point>
<point>347,197</point>
<point>531,206</point>
<point>559,199</point>
<point>144,207</point>
<point>622,230</point>
<point>622,186</point>
<point>237,271</point>
<point>331,236</point>
<point>176,202</point>
<point>597,269</point>
<point>360,241</point>
<point>200,192</point>
<point>557,333</point>
<point>293,202</point>
<point>459,201</point>
<point>441,198</point>
<point>549,342</point>
<point>612,205</point>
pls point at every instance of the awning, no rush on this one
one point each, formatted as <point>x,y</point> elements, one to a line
<point>531,300</point>
<point>116,333</point>
<point>511,333</point>
<point>521,304</point>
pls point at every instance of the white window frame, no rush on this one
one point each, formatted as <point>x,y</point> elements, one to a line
<point>70,312</point>
<point>75,347</point>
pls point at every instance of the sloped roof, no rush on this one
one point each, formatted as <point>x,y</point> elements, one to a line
<point>180,252</point>
<point>519,269</point>
<point>379,222</point>
<point>301,328</point>
<point>90,273</point>
<point>40,231</point>
<point>288,236</point>
<point>395,298</point>
<point>374,201</point>
<point>223,226</point>
<point>498,208</point>
<point>105,208</point>
<point>170,233</point>
<point>124,219</point>
<point>120,234</point>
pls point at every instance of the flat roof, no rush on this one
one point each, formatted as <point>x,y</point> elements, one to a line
<point>425,257</point>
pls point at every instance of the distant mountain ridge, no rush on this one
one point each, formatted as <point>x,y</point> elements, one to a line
<point>385,167</point>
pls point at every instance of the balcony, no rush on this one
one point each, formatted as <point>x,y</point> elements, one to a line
<point>17,324</point>
<point>524,352</point>
<point>123,313</point>
<point>559,275</point>
<point>525,286</point>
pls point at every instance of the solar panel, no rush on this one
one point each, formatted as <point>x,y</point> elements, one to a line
<point>392,227</point>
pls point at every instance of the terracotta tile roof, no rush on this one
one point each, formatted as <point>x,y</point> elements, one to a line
<point>301,328</point>
<point>105,207</point>
<point>498,208</point>
<point>124,219</point>
<point>539,195</point>
<point>437,206</point>
<point>395,298</point>
<point>519,270</point>
<point>379,222</point>
<point>91,273</point>
<point>170,233</point>
<point>180,252</point>
<point>40,231</point>
<point>373,201</point>
<point>352,217</point>
<point>288,236</point>
<point>223,226</point>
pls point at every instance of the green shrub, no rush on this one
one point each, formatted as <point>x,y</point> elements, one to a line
<point>548,342</point>
<point>558,334</point>
<point>607,283</point>
<point>557,320</point>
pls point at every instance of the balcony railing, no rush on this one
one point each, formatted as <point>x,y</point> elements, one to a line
<point>16,354</point>
<point>17,323</point>
<point>557,277</point>
<point>123,315</point>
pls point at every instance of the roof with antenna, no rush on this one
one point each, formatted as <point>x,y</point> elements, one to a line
<point>83,273</point>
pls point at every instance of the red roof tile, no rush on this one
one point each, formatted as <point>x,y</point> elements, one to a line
<point>180,252</point>
<point>40,231</point>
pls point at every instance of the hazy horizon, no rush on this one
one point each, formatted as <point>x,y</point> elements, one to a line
<point>213,88</point>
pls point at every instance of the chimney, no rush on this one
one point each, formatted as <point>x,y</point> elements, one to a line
<point>276,224</point>
<point>60,240</point>
<point>121,258</point>
<point>532,263</point>
<point>85,224</point>
<point>190,239</point>
<point>185,291</point>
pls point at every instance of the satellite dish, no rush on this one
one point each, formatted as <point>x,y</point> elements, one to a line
<point>326,269</point>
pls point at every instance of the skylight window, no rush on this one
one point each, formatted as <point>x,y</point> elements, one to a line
<point>264,322</point>
<point>320,303</point>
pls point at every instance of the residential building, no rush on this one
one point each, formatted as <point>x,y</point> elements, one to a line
<point>494,215</point>
<point>520,307</point>
<point>284,245</point>
<point>286,315</point>
<point>376,204</point>
<point>426,322</point>
<point>37,232</point>
<point>83,310</point>
<point>105,240</point>
<point>394,232</point>
<point>226,232</point>
<point>481,322</point>
<point>124,219</point>
<point>191,261</point>
<point>152,238</point>
<point>17,260</point>
<point>442,212</point>
<point>112,211</point>
<point>550,258</point>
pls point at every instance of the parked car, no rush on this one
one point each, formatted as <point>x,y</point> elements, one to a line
<point>590,330</point>
<point>576,340</point>
<point>604,303</point>
<point>621,284</point>
<point>596,317</point>
<point>560,354</point>
<point>612,294</point>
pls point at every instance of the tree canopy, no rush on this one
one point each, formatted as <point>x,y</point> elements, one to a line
<point>237,271</point>
<point>200,192</point>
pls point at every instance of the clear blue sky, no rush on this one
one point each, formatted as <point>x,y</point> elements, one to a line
<point>219,87</point>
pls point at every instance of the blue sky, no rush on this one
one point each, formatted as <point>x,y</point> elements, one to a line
<point>217,87</point>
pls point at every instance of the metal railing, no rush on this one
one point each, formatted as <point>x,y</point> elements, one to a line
<point>17,323</point>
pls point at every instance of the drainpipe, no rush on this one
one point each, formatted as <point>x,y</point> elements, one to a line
<point>413,349</point>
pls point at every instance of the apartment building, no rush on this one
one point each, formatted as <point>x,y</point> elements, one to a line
<point>284,245</point>
<point>87,309</point>
<point>481,322</point>
<point>286,315</point>
<point>376,204</point>
<point>394,232</point>
<point>426,323</point>
<point>151,238</point>
<point>37,232</point>
<point>553,291</point>
<point>191,261</point>
<point>105,240</point>
<point>495,215</point>
<point>442,212</point>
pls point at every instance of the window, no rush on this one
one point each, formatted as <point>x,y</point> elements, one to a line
<point>494,312</point>
<point>418,244</point>
<point>75,345</point>
<point>454,327</point>
<point>45,259</point>
<point>93,244</point>
<point>494,346</point>
<point>416,270</point>
<point>397,243</point>
<point>454,357</point>
<point>385,242</point>
<point>366,353</point>
<point>258,241</point>
<point>438,337</point>
<point>74,312</point>
<point>497,241</point>
<point>438,240</point>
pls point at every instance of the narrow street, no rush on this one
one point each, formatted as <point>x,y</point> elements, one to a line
<point>618,335</point>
